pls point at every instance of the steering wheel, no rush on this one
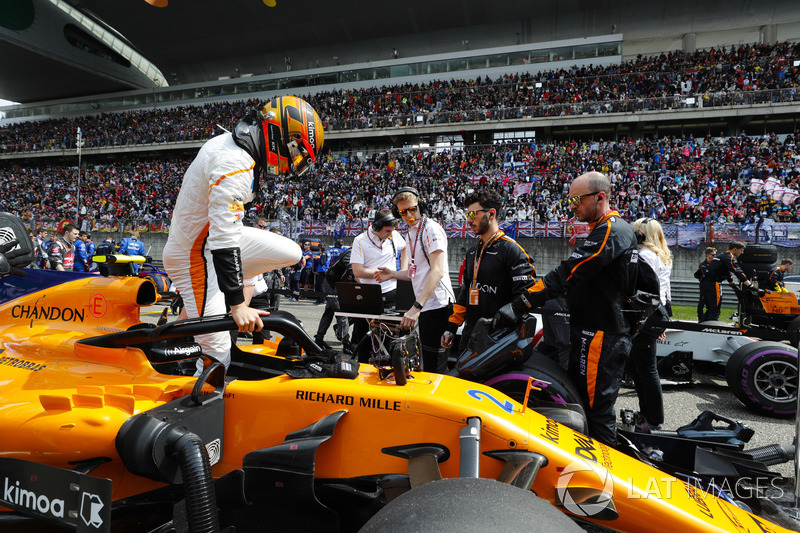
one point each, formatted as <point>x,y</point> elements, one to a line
<point>404,360</point>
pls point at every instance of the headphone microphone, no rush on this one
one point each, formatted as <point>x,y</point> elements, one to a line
<point>412,190</point>
<point>386,220</point>
<point>640,236</point>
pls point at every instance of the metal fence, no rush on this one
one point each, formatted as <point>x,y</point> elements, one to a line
<point>687,292</point>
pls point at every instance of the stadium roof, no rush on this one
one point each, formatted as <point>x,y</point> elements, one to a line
<point>65,48</point>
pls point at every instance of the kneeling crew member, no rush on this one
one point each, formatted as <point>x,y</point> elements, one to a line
<point>776,276</point>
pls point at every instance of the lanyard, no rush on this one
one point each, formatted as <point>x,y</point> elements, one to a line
<point>413,245</point>
<point>378,246</point>
<point>477,265</point>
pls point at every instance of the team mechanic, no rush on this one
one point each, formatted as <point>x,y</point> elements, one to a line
<point>775,282</point>
<point>496,268</point>
<point>596,279</point>
<point>710,295</point>
<point>428,272</point>
<point>723,267</point>
<point>209,251</point>
<point>377,248</point>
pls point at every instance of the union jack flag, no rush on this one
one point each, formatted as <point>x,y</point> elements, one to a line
<point>354,228</point>
<point>555,229</point>
<point>548,229</point>
<point>510,229</point>
<point>458,230</point>
<point>315,227</point>
<point>525,229</point>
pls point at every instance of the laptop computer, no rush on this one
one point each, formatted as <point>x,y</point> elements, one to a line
<point>405,296</point>
<point>364,298</point>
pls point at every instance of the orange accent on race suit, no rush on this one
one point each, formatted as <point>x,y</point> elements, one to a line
<point>718,293</point>
<point>251,167</point>
<point>459,314</point>
<point>537,287</point>
<point>592,363</point>
<point>605,240</point>
<point>507,238</point>
<point>197,270</point>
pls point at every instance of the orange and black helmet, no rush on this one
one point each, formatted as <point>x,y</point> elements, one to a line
<point>293,135</point>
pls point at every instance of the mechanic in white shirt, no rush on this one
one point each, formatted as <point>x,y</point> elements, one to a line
<point>428,271</point>
<point>372,250</point>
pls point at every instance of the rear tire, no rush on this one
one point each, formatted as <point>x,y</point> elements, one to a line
<point>761,254</point>
<point>758,271</point>
<point>559,388</point>
<point>469,504</point>
<point>764,377</point>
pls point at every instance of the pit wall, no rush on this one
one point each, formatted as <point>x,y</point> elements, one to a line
<point>546,252</point>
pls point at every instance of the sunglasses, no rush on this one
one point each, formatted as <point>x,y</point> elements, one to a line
<point>577,199</point>
<point>412,210</point>
<point>472,214</point>
<point>263,226</point>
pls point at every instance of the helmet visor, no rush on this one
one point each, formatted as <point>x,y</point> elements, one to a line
<point>301,156</point>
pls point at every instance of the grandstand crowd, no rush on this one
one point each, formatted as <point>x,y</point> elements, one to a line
<point>671,179</point>
<point>668,178</point>
<point>738,75</point>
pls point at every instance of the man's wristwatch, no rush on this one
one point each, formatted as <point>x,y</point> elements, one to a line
<point>417,305</point>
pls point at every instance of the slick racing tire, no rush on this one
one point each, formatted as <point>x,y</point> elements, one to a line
<point>757,271</point>
<point>558,388</point>
<point>468,504</point>
<point>156,280</point>
<point>761,254</point>
<point>763,376</point>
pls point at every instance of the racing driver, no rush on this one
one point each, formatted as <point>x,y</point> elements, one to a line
<point>209,252</point>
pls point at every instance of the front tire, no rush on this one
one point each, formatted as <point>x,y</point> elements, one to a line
<point>764,377</point>
<point>468,504</point>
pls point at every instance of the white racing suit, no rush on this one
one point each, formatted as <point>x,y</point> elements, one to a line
<point>209,251</point>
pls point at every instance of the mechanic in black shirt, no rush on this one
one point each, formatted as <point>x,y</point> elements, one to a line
<point>496,268</point>
<point>597,279</point>
<point>723,268</point>
<point>710,294</point>
<point>776,276</point>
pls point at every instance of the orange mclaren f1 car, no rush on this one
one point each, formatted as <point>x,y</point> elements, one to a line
<point>101,430</point>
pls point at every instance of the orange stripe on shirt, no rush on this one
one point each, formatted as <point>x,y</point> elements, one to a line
<point>197,270</point>
<point>592,363</point>
<point>506,238</point>
<point>605,240</point>
<point>231,174</point>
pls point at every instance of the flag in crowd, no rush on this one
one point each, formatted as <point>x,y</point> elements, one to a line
<point>686,235</point>
<point>523,188</point>
<point>458,230</point>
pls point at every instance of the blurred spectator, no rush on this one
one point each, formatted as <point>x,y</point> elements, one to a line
<point>131,245</point>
